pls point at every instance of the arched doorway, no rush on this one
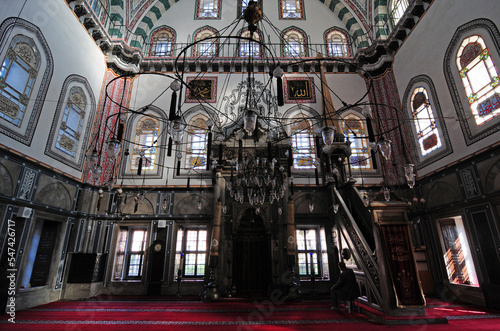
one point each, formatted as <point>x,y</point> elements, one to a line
<point>252,268</point>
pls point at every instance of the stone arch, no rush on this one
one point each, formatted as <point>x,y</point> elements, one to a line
<point>435,196</point>
<point>144,207</point>
<point>244,212</point>
<point>155,12</point>
<point>189,205</point>
<point>6,182</point>
<point>352,25</point>
<point>152,111</point>
<point>493,179</point>
<point>292,112</point>
<point>55,195</point>
<point>301,204</point>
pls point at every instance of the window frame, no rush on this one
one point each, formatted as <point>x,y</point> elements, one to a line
<point>202,33</point>
<point>241,42</point>
<point>488,90</point>
<point>168,43</point>
<point>17,26</point>
<point>419,159</point>
<point>13,94</point>
<point>431,129</point>
<point>302,131</point>
<point>346,51</point>
<point>397,10</point>
<point>464,248</point>
<point>217,10</point>
<point>150,154</point>
<point>299,7</point>
<point>361,135</point>
<point>197,127</point>
<point>321,267</point>
<point>124,252</point>
<point>301,42</point>
<point>73,133</point>
<point>181,252</point>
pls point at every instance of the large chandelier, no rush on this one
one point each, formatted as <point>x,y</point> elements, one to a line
<point>259,180</point>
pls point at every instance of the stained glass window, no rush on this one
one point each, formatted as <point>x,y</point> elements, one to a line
<point>303,149</point>
<point>162,42</point>
<point>196,151</point>
<point>206,48</point>
<point>207,9</point>
<point>354,129</point>
<point>294,43</point>
<point>191,252</point>
<point>312,252</point>
<point>337,43</point>
<point>17,77</point>
<point>424,121</point>
<point>145,143</point>
<point>248,48</point>
<point>479,78</point>
<point>71,125</point>
<point>291,9</point>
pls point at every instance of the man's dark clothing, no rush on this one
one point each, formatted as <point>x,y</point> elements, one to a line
<point>346,287</point>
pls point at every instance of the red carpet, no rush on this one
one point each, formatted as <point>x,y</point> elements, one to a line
<point>129,313</point>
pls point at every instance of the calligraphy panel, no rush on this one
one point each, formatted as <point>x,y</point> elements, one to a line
<point>201,90</point>
<point>299,90</point>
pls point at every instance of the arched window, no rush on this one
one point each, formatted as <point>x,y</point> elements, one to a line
<point>479,78</point>
<point>304,152</point>
<point>72,122</point>
<point>145,143</point>
<point>208,9</point>
<point>294,43</point>
<point>162,42</point>
<point>291,9</point>
<point>354,128</point>
<point>70,129</point>
<point>427,130</point>
<point>398,8</point>
<point>248,48</point>
<point>424,121</point>
<point>208,47</point>
<point>337,43</point>
<point>17,77</point>
<point>196,150</point>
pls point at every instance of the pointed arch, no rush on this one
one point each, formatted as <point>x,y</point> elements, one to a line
<point>162,41</point>
<point>247,48</point>
<point>352,25</point>
<point>491,35</point>
<point>145,132</point>
<point>38,79</point>
<point>427,130</point>
<point>294,42</point>
<point>337,42</point>
<point>355,130</point>
<point>207,48</point>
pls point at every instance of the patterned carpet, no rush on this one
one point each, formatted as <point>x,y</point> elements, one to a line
<point>128,313</point>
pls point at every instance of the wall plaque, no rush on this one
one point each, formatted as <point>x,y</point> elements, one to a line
<point>202,90</point>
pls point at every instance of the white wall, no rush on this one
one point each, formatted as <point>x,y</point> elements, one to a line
<point>73,52</point>
<point>423,54</point>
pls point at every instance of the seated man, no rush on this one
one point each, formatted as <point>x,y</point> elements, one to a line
<point>346,287</point>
